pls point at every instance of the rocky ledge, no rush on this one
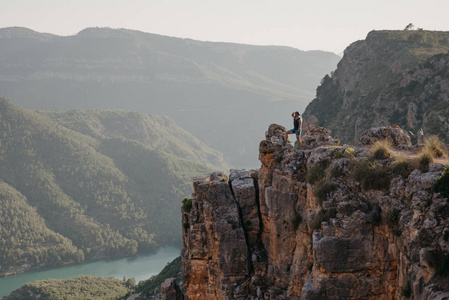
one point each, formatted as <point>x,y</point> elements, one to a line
<point>323,223</point>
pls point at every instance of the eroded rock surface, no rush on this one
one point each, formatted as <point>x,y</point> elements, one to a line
<point>170,290</point>
<point>395,135</point>
<point>278,234</point>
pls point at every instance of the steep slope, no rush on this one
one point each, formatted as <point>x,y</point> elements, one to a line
<point>157,132</point>
<point>391,77</point>
<point>210,89</point>
<point>108,196</point>
<point>324,223</point>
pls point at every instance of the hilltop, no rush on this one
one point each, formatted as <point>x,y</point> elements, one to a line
<point>213,90</point>
<point>89,184</point>
<point>390,78</point>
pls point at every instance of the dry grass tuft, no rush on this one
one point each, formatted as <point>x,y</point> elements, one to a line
<point>436,146</point>
<point>380,150</point>
<point>425,158</point>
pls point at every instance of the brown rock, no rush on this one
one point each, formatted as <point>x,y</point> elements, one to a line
<point>315,136</point>
<point>170,290</point>
<point>267,235</point>
<point>397,137</point>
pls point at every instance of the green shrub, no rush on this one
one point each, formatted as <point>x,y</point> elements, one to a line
<point>316,172</point>
<point>370,175</point>
<point>435,145</point>
<point>334,171</point>
<point>401,166</point>
<point>442,184</point>
<point>186,205</point>
<point>380,149</point>
<point>322,216</point>
<point>322,188</point>
<point>338,154</point>
<point>349,152</point>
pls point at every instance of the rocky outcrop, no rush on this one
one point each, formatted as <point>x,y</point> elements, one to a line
<point>396,136</point>
<point>315,136</point>
<point>170,290</point>
<point>390,78</point>
<point>305,226</point>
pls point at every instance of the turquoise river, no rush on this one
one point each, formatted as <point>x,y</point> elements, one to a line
<point>141,267</point>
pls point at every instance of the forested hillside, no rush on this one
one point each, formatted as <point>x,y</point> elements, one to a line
<point>68,195</point>
<point>223,93</point>
<point>80,287</point>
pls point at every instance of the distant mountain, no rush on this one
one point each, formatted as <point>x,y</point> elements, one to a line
<point>390,78</point>
<point>225,94</point>
<point>79,185</point>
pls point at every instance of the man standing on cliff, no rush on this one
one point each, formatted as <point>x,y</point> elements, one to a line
<point>296,127</point>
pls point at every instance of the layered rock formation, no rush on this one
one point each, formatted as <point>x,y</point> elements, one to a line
<point>306,226</point>
<point>390,78</point>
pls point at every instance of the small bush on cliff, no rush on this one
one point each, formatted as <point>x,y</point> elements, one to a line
<point>322,216</point>
<point>442,183</point>
<point>322,188</point>
<point>380,150</point>
<point>317,171</point>
<point>401,166</point>
<point>435,145</point>
<point>425,158</point>
<point>186,205</point>
<point>349,152</point>
<point>370,175</point>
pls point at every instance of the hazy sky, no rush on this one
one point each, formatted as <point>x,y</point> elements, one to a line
<point>307,25</point>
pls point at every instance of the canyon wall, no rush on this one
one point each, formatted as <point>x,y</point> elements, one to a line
<point>305,227</point>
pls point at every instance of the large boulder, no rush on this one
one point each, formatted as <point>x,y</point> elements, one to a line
<point>397,136</point>
<point>315,136</point>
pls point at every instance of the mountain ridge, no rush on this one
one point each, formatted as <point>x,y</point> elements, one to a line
<point>203,86</point>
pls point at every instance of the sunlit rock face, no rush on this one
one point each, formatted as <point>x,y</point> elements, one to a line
<point>305,227</point>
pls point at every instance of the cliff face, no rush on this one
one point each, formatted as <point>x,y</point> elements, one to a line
<point>390,78</point>
<point>304,227</point>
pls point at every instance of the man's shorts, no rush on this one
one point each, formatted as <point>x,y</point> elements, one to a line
<point>297,132</point>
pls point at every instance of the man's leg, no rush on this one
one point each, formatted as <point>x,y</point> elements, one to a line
<point>297,139</point>
<point>286,135</point>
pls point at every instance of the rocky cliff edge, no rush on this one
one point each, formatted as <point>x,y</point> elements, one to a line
<point>308,225</point>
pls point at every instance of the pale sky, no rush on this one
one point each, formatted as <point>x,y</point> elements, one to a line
<point>329,25</point>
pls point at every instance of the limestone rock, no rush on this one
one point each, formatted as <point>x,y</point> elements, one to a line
<point>271,234</point>
<point>397,137</point>
<point>315,136</point>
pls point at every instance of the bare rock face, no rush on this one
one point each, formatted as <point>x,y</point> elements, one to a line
<point>170,290</point>
<point>274,234</point>
<point>315,136</point>
<point>397,137</point>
